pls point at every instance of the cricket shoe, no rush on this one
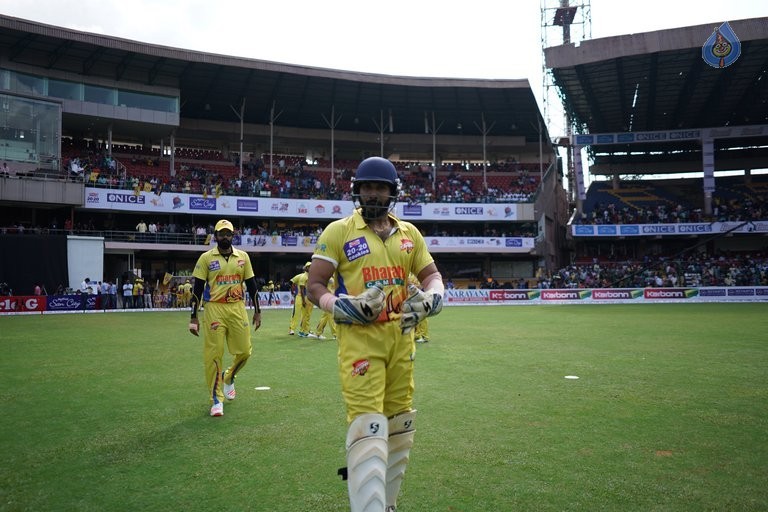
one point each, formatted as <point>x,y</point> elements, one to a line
<point>217,409</point>
<point>303,335</point>
<point>291,332</point>
<point>419,340</point>
<point>312,335</point>
<point>321,337</point>
<point>229,390</point>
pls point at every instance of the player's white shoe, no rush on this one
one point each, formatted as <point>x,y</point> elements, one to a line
<point>312,335</point>
<point>321,337</point>
<point>229,391</point>
<point>217,409</point>
<point>291,332</point>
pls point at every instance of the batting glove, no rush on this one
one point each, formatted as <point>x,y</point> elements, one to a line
<point>418,306</point>
<point>361,309</point>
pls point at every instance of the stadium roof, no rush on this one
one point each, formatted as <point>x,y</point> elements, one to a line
<point>213,86</point>
<point>659,81</point>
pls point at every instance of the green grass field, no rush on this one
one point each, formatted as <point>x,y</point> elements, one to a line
<point>670,412</point>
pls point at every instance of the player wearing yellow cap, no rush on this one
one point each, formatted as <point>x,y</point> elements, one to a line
<point>371,253</point>
<point>224,269</point>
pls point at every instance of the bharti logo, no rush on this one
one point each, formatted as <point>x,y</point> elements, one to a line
<point>722,48</point>
<point>388,275</point>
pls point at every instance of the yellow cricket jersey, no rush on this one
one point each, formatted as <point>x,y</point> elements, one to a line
<point>362,259</point>
<point>300,280</point>
<point>224,276</point>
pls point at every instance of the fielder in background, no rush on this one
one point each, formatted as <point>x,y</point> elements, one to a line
<point>302,308</point>
<point>372,252</point>
<point>224,269</point>
<point>325,319</point>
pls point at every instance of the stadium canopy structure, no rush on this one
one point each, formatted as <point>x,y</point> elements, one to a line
<point>294,107</point>
<point>658,81</point>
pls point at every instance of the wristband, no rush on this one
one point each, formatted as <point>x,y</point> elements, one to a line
<point>327,301</point>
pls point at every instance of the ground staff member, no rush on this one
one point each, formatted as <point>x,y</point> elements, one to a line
<point>224,269</point>
<point>372,252</point>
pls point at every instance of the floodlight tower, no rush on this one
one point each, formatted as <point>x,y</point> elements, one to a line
<point>562,22</point>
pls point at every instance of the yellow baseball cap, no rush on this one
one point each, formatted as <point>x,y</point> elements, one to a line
<point>224,224</point>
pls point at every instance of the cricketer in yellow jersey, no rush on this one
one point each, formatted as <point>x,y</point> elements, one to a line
<point>225,320</point>
<point>302,308</point>
<point>371,252</point>
<point>326,318</point>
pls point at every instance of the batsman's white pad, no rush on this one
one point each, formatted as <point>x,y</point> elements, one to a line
<point>367,462</point>
<point>401,432</point>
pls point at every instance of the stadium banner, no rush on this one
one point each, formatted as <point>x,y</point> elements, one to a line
<point>474,244</point>
<point>453,297</point>
<point>279,299</point>
<point>685,134</point>
<point>639,230</point>
<point>473,297</point>
<point>268,207</point>
<point>22,304</point>
<point>72,302</point>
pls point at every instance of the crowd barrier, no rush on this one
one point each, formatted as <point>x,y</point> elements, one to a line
<point>607,295</point>
<point>81,302</point>
<point>282,300</point>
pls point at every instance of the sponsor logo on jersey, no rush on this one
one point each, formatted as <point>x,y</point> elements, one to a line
<point>356,248</point>
<point>384,276</point>
<point>360,367</point>
<point>214,265</point>
<point>228,279</point>
<point>215,325</point>
<point>406,245</point>
<point>240,263</point>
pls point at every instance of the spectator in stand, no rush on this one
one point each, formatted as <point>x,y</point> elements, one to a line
<point>141,228</point>
<point>112,295</point>
<point>127,294</point>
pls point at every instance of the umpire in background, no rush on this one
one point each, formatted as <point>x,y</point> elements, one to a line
<point>225,320</point>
